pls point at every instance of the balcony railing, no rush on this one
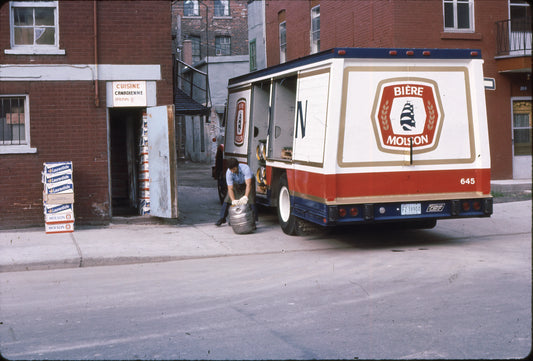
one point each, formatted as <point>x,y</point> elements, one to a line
<point>192,94</point>
<point>513,37</point>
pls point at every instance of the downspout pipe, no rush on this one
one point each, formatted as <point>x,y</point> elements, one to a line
<point>96,97</point>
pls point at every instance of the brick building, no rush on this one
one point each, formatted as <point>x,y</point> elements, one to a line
<point>59,63</point>
<point>500,28</point>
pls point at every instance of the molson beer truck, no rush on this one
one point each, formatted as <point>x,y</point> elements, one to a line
<point>355,135</point>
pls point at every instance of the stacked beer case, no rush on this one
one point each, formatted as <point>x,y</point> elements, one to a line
<point>58,197</point>
<point>144,174</point>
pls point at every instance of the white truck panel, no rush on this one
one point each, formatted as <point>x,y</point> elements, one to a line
<point>237,127</point>
<point>453,141</point>
<point>311,120</point>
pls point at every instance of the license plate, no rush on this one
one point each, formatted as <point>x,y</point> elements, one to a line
<point>409,209</point>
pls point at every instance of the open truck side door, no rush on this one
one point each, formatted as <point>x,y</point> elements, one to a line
<point>163,162</point>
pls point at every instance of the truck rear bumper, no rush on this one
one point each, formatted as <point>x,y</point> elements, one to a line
<point>331,215</point>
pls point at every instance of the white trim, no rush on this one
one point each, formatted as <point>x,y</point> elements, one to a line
<point>77,72</point>
<point>33,50</point>
<point>17,149</point>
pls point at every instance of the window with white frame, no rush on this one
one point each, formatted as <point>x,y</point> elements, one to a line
<point>190,8</point>
<point>458,15</point>
<point>34,27</point>
<point>222,45</point>
<point>282,42</point>
<point>14,124</point>
<point>315,29</point>
<point>222,8</point>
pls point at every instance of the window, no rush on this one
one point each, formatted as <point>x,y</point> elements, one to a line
<point>520,39</point>
<point>522,127</point>
<point>315,29</point>
<point>14,124</point>
<point>34,28</point>
<point>253,55</point>
<point>190,8</point>
<point>459,15</point>
<point>222,45</point>
<point>222,8</point>
<point>282,42</point>
<point>196,54</point>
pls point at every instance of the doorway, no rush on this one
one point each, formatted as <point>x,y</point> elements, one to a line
<point>522,121</point>
<point>125,126</point>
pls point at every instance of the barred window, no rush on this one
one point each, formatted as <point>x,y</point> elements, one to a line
<point>14,124</point>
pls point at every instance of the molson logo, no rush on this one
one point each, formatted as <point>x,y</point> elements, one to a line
<point>407,113</point>
<point>240,122</point>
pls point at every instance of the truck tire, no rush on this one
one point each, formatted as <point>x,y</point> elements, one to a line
<point>222,187</point>
<point>287,220</point>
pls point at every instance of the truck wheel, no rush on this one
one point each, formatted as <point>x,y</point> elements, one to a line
<point>222,187</point>
<point>287,220</point>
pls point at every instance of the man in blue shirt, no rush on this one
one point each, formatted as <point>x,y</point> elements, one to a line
<point>241,189</point>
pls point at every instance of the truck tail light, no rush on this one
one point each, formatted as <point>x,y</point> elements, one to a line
<point>342,212</point>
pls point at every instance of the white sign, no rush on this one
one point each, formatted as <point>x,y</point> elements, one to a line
<point>129,93</point>
<point>490,83</point>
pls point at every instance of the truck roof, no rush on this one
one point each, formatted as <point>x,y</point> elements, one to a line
<point>363,53</point>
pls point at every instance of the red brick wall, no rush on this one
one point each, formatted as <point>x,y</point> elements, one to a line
<point>65,124</point>
<point>405,23</point>
<point>235,26</point>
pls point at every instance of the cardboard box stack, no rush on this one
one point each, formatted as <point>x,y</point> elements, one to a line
<point>58,197</point>
<point>144,174</point>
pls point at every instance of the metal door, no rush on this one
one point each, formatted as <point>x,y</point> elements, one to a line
<point>162,158</point>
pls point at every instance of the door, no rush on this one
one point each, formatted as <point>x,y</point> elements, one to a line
<point>162,158</point>
<point>521,138</point>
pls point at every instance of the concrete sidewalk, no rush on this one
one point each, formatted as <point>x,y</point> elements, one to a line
<point>510,186</point>
<point>33,249</point>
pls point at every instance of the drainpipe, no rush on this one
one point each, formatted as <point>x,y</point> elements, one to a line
<point>206,51</point>
<point>96,97</point>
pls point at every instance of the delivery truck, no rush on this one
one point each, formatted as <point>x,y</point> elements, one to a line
<point>364,135</point>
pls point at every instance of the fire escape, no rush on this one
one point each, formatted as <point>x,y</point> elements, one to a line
<point>191,97</point>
